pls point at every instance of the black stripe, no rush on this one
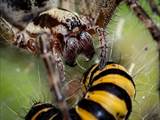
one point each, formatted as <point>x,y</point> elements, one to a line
<point>95,109</point>
<point>113,71</point>
<point>49,114</point>
<point>92,73</point>
<point>73,114</point>
<point>37,107</point>
<point>86,74</point>
<point>46,20</point>
<point>115,90</point>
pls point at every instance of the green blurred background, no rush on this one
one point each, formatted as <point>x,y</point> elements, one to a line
<point>23,76</point>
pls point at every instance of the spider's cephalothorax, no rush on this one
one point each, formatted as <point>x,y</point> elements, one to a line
<point>67,32</point>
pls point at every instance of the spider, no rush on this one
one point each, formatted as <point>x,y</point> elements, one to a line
<point>52,32</point>
<point>68,33</point>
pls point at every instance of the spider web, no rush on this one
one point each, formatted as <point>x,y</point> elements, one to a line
<point>138,51</point>
<point>22,83</point>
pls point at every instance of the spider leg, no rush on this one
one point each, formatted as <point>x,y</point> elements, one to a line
<point>59,63</point>
<point>6,30</point>
<point>104,48</point>
<point>91,28</point>
<point>106,9</point>
<point>53,73</point>
<point>23,40</point>
<point>100,11</point>
<point>145,18</point>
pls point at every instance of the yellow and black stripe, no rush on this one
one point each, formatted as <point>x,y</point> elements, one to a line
<point>111,73</point>
<point>108,94</point>
<point>44,111</point>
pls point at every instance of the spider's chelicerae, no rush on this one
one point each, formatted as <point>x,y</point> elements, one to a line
<point>54,32</point>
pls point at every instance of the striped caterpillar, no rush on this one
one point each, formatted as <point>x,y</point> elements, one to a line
<point>108,97</point>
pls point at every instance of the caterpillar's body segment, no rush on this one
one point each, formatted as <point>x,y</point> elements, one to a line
<point>111,73</point>
<point>44,111</point>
